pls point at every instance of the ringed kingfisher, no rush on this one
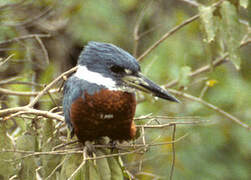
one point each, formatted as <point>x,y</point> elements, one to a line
<point>99,99</point>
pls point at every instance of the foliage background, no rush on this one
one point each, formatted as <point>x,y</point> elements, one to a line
<point>217,149</point>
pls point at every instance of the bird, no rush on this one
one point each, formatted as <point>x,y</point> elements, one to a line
<point>99,98</point>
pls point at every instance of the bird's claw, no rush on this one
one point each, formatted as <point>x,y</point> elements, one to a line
<point>90,148</point>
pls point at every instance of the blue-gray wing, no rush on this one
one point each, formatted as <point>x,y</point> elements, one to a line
<point>73,89</point>
<point>71,92</point>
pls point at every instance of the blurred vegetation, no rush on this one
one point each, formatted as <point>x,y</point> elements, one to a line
<point>217,149</point>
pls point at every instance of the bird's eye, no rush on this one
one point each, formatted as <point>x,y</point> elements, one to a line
<point>117,69</point>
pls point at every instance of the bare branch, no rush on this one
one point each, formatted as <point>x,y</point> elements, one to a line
<point>40,42</point>
<point>173,150</point>
<point>207,68</point>
<point>34,101</point>
<point>11,5</point>
<point>139,148</point>
<point>28,107</point>
<point>2,62</point>
<point>10,80</point>
<point>33,19</point>
<point>136,29</point>
<point>27,110</point>
<point>211,106</point>
<point>19,93</point>
<point>56,168</point>
<point>203,69</point>
<point>80,166</point>
<point>165,117</point>
<point>170,124</point>
<point>172,31</point>
<point>166,35</point>
<point>29,36</point>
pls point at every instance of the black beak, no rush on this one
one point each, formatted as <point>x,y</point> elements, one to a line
<point>142,83</point>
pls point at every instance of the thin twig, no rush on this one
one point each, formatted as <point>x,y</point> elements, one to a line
<point>32,103</point>
<point>166,35</point>
<point>200,70</point>
<point>9,80</point>
<point>141,35</point>
<point>52,99</point>
<point>7,59</point>
<point>165,117</point>
<point>5,112</point>
<point>29,36</point>
<point>203,91</point>
<point>173,150</point>
<point>46,55</point>
<point>20,93</point>
<point>211,106</point>
<point>79,167</point>
<point>55,169</point>
<point>143,137</point>
<point>136,28</point>
<point>170,124</point>
<point>172,31</point>
<point>13,81</point>
<point>33,19</point>
<point>27,110</point>
<point>63,145</point>
<point>217,62</point>
<point>64,152</point>
<point>11,5</point>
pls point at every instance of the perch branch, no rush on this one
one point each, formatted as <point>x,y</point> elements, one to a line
<point>140,147</point>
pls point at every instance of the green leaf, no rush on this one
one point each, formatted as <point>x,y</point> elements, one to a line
<point>91,171</point>
<point>207,18</point>
<point>6,168</point>
<point>102,165</point>
<point>71,163</point>
<point>28,165</point>
<point>244,3</point>
<point>49,162</point>
<point>116,171</point>
<point>231,32</point>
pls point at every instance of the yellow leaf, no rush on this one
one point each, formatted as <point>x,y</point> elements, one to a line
<point>211,83</point>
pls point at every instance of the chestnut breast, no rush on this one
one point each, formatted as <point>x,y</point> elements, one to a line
<point>104,113</point>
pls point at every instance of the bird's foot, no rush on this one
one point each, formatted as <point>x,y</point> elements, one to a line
<point>114,145</point>
<point>90,148</point>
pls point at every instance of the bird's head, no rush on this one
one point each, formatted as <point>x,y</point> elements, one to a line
<point>112,67</point>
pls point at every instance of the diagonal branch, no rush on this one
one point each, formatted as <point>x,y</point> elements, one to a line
<point>172,31</point>
<point>49,86</point>
<point>5,112</point>
<point>166,35</point>
<point>211,106</point>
